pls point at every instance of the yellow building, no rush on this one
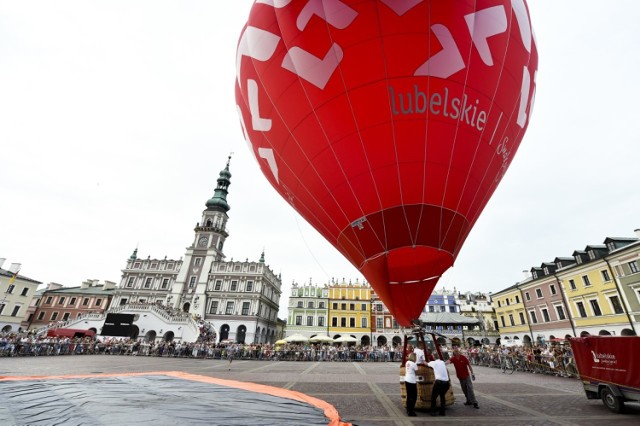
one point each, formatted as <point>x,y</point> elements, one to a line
<point>592,295</point>
<point>511,315</point>
<point>350,311</point>
<point>598,295</point>
<point>16,293</point>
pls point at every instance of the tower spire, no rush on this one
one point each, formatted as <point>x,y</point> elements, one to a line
<point>219,200</point>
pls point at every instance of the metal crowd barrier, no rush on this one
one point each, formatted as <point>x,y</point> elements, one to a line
<point>14,349</point>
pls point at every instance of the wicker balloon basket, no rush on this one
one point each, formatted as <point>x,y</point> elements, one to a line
<point>425,380</point>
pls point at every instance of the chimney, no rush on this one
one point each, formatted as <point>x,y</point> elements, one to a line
<point>108,285</point>
<point>86,284</point>
<point>526,274</point>
<point>15,268</point>
<point>54,286</point>
<point>637,231</point>
<point>2,259</point>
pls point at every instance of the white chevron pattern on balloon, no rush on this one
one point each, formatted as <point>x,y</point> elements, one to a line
<point>275,3</point>
<point>524,97</point>
<point>315,70</point>
<point>267,154</point>
<point>257,44</point>
<point>247,138</point>
<point>400,7</point>
<point>258,123</point>
<point>336,13</point>
<point>446,62</point>
<point>483,24</point>
<point>522,17</point>
<point>533,93</point>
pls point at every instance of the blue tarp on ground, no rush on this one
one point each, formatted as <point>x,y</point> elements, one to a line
<point>145,399</point>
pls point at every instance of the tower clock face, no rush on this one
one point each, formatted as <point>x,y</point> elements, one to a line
<point>202,242</point>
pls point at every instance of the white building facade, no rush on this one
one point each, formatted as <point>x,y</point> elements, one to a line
<point>239,300</point>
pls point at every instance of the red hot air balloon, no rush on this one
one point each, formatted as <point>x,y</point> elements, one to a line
<point>387,124</point>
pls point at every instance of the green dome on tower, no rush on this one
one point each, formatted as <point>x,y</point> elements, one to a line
<point>219,200</point>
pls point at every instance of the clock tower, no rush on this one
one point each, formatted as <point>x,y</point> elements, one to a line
<point>189,290</point>
<point>210,233</point>
<point>239,300</point>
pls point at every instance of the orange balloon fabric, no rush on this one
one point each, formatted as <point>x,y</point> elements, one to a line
<point>387,124</point>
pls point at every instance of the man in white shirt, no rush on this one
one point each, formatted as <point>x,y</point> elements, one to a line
<point>420,360</point>
<point>440,387</point>
<point>419,356</point>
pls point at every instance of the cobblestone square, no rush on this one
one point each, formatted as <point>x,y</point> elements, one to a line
<point>366,394</point>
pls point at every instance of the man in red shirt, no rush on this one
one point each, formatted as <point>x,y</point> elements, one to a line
<point>465,375</point>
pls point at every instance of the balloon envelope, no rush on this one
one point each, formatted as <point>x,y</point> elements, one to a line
<point>387,124</point>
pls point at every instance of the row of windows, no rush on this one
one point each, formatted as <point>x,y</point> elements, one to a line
<point>230,309</point>
<point>579,261</point>
<point>310,321</point>
<point>148,283</point>
<point>545,314</point>
<point>552,290</point>
<point>14,313</point>
<point>386,322</point>
<point>352,306</point>
<point>352,322</point>
<point>72,301</point>
<point>224,267</point>
<point>580,306</point>
<point>616,306</point>
<point>25,290</point>
<point>154,265</point>
<point>311,305</point>
<point>298,292</point>
<point>442,308</point>
<point>363,307</point>
<point>343,306</point>
<point>338,296</point>
<point>234,285</point>
<point>54,316</point>
<point>334,321</point>
<point>391,323</point>
<point>508,301</point>
<point>586,281</point>
<point>511,320</point>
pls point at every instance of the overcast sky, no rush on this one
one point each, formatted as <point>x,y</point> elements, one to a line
<point>117,116</point>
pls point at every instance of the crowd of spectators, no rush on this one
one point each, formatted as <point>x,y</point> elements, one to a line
<point>25,344</point>
<point>548,359</point>
<point>553,358</point>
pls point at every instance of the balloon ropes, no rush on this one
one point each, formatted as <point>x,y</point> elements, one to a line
<point>387,124</point>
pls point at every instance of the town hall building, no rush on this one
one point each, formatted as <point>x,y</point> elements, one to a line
<point>238,299</point>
